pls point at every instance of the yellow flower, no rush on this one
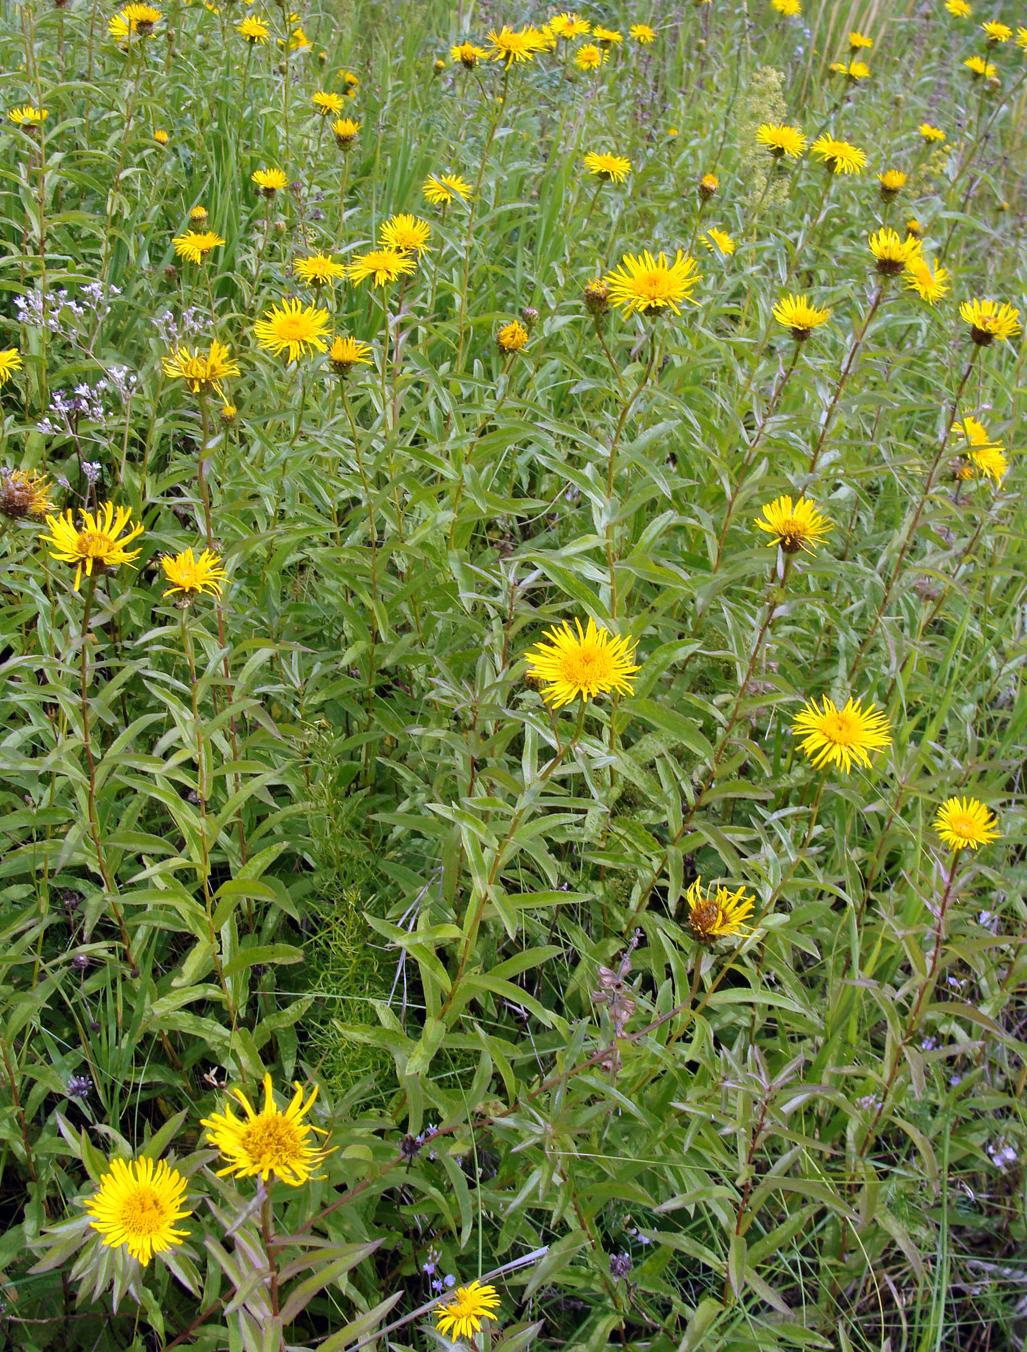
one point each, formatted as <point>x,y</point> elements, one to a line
<point>228,414</point>
<point>569,25</point>
<point>292,327</point>
<point>985,455</point>
<point>196,245</point>
<point>161,136</point>
<point>318,270</point>
<point>512,337</point>
<point>405,234</point>
<point>930,133</point>
<point>345,129</point>
<point>441,189</point>
<point>997,32</point>
<point>589,56</point>
<point>793,527</point>
<point>134,20</point>
<point>352,82</point>
<point>717,913</point>
<point>977,66</point>
<point>891,252</point>
<point>672,132</point>
<point>915,227</point>
<point>460,1315</point>
<point>597,297</point>
<point>190,575</point>
<point>202,372</point>
<point>512,45</point>
<point>834,736</point>
<point>839,156</point>
<point>612,168</point>
<point>468,54</point>
<point>781,140</point>
<point>328,105</point>
<point>789,8</point>
<point>345,353</point>
<point>137,1205</point>
<point>708,185</point>
<point>581,662</point>
<point>198,214</point>
<point>606,37</point>
<point>642,33</point>
<point>719,239</point>
<point>10,361</point>
<point>27,116</point>
<point>268,1142</point>
<point>989,320</point>
<point>797,314</point>
<point>253,30</point>
<point>892,181</point>
<point>270,181</point>
<point>859,41</point>
<point>854,70</point>
<point>1021,38</point>
<point>963,822</point>
<point>929,286</point>
<point>298,40</point>
<point>24,492</point>
<point>959,9</point>
<point>643,282</point>
<point>98,544</point>
<point>382,265</point>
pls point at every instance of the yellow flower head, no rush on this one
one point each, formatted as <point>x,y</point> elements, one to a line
<point>569,25</point>
<point>589,56</point>
<point>327,104</point>
<point>460,1315</point>
<point>852,70</point>
<point>708,185</point>
<point>891,252</point>
<point>441,189</point>
<point>134,21</point>
<point>597,297</point>
<point>270,181</point>
<point>606,37</point>
<point>892,181</point>
<point>352,82</point>
<point>512,337</point>
<point>191,576</point>
<point>10,361</point>
<point>719,240</point>
<point>1021,38</point>
<point>929,285</point>
<point>963,822</point>
<point>253,30</point>
<point>345,129</point>
<point>781,140</point>
<point>27,116</point>
<point>839,156</point>
<point>978,67</point>
<point>644,283</point>
<point>468,54</point>
<point>269,1142</point>
<point>833,736</point>
<point>789,8</point>
<point>320,269</point>
<point>345,353</point>
<point>201,371</point>
<point>98,544</point>
<point>988,320</point>
<point>198,214</point>
<point>137,1205</point>
<point>959,9</point>
<point>996,32</point>
<point>930,133</point>
<point>796,314</point>
<point>611,168</point>
<point>405,234</point>
<point>195,245</point>
<point>228,414</point>
<point>717,913</point>
<point>860,41</point>
<point>511,45</point>
<point>381,265</point>
<point>161,136</point>
<point>581,662</point>
<point>793,527</point>
<point>915,227</point>
<point>24,492</point>
<point>642,33</point>
<point>292,327</point>
<point>985,456</point>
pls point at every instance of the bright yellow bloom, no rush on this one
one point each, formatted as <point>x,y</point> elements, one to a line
<point>963,822</point>
<point>644,283</point>
<point>708,185</point>
<point>345,129</point>
<point>270,181</point>
<point>717,913</point>
<point>382,265</point>
<point>977,66</point>
<point>10,361</point>
<point>196,245</point>
<point>858,41</point>
<point>798,315</point>
<point>568,25</point>
<point>589,56</point>
<point>891,252</point>
<point>161,136</point>
<point>984,454</point>
<point>892,181</point>
<point>253,30</point>
<point>606,37</point>
<point>793,527</point>
<point>190,575</point>
<point>268,1142</point>
<point>789,8</point>
<point>98,544</point>
<point>405,234</point>
<point>468,54</point>
<point>328,105</point>
<point>292,327</point>
<point>719,239</point>
<point>512,337</point>
<point>201,371</point>
<point>298,40</point>
<point>352,82</point>
<point>28,116</point>
<point>134,20</point>
<point>198,214</point>
<point>642,33</point>
<point>839,156</point>
<point>959,9</point>
<point>853,70</point>
<point>930,133</point>
<point>24,492</point>
<point>989,320</point>
<point>612,168</point>
<point>834,736</point>
<point>460,1315</point>
<point>137,1205</point>
<point>781,140</point>
<point>319,269</point>
<point>228,414</point>
<point>346,353</point>
<point>996,32</point>
<point>581,662</point>
<point>929,286</point>
<point>441,189</point>
<point>915,227</point>
<point>1021,38</point>
<point>511,45</point>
